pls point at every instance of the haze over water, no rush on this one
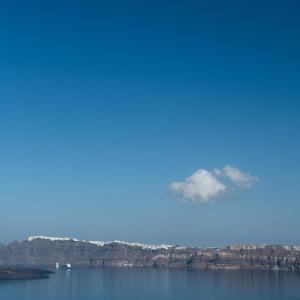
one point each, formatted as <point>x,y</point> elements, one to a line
<point>158,284</point>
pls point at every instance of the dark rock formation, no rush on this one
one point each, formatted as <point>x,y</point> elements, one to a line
<point>22,273</point>
<point>47,251</point>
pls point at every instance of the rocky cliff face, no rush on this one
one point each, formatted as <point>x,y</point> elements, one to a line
<point>47,251</point>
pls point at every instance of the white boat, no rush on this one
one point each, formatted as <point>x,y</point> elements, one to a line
<point>67,266</point>
<point>57,265</point>
<point>126,265</point>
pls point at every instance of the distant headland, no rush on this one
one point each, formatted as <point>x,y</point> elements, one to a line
<point>42,250</point>
<point>9,273</point>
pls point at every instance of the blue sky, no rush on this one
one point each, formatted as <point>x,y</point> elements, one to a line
<point>104,105</point>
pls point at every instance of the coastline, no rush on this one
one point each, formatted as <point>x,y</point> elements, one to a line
<point>47,251</point>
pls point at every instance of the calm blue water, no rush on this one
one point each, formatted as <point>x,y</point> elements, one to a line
<point>156,284</point>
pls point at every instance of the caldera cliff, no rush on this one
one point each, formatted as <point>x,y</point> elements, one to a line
<point>42,250</point>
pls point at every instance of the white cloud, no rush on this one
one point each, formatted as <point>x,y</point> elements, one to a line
<point>205,186</point>
<point>201,187</point>
<point>239,178</point>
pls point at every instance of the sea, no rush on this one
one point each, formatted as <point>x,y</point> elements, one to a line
<point>155,284</point>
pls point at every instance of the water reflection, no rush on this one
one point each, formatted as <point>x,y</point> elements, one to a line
<point>110,284</point>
